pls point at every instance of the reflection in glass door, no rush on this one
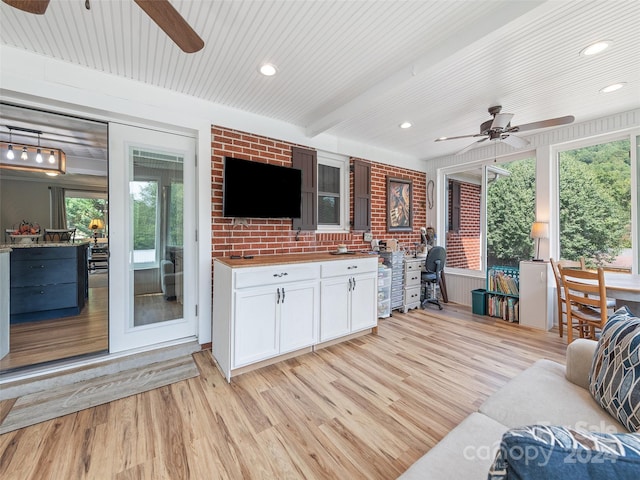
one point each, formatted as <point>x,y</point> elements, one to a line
<point>156,225</point>
<point>150,255</point>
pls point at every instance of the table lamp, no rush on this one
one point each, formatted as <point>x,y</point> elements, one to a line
<point>539,230</point>
<point>95,225</point>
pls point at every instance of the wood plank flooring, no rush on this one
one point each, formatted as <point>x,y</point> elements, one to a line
<point>44,341</point>
<point>49,340</point>
<point>364,409</point>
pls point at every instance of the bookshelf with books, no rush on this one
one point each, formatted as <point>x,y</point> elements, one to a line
<point>503,293</point>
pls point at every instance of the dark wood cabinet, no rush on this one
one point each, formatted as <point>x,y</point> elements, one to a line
<point>47,282</point>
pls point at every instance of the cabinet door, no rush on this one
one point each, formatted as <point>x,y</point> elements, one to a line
<point>256,329</point>
<point>363,302</point>
<point>334,308</point>
<point>298,306</point>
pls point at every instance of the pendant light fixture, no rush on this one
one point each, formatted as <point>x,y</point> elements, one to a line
<point>10,154</point>
<point>56,160</point>
<point>39,152</point>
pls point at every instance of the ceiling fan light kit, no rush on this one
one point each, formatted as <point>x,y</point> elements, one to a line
<point>499,129</point>
<point>160,11</point>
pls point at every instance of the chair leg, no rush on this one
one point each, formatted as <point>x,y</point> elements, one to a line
<point>431,297</point>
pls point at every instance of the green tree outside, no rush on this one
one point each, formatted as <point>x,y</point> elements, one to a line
<point>595,207</point>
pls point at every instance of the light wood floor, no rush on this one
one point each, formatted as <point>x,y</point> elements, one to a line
<point>363,409</point>
<point>44,341</point>
<point>33,343</point>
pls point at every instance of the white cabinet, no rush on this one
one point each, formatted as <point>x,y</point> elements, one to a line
<point>336,306</point>
<point>412,283</point>
<point>536,295</point>
<point>273,320</point>
<point>256,328</point>
<point>348,297</point>
<point>262,312</point>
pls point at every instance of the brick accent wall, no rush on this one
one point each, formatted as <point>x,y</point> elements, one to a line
<point>275,236</point>
<point>463,247</point>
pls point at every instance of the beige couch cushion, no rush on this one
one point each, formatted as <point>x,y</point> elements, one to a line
<point>466,452</point>
<point>542,395</point>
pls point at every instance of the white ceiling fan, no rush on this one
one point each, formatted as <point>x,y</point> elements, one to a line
<point>499,128</point>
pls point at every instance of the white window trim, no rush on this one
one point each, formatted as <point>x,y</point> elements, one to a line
<point>341,162</point>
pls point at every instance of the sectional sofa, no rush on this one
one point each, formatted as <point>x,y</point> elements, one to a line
<point>547,393</point>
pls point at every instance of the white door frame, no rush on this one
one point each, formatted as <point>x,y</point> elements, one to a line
<point>122,334</point>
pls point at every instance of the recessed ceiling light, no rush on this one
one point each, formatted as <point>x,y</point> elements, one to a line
<point>595,48</point>
<point>268,70</point>
<point>612,88</point>
<point>405,125</point>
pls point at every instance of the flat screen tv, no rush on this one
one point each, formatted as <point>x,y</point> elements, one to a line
<point>259,190</point>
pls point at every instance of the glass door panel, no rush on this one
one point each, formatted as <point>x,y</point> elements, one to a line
<point>151,252</point>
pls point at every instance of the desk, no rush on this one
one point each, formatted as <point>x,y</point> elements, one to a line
<point>624,288</point>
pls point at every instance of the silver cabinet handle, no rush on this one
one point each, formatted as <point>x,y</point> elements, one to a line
<point>282,294</point>
<point>350,284</point>
<point>354,283</point>
<point>278,300</point>
<point>352,267</point>
<point>32,267</point>
<point>279,275</point>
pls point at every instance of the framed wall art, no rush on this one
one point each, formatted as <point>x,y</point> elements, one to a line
<point>399,205</point>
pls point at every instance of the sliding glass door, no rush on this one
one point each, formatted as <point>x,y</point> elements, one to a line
<point>151,236</point>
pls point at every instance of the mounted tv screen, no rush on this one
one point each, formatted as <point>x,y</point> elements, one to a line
<point>259,190</point>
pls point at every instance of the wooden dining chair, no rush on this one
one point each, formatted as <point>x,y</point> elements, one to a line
<point>555,266</point>
<point>585,297</point>
<point>59,234</point>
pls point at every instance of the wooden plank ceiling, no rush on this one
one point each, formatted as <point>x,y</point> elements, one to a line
<point>357,69</point>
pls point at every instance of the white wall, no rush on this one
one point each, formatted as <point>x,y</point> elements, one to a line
<point>23,200</point>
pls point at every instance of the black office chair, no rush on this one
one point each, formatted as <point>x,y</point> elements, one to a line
<point>434,264</point>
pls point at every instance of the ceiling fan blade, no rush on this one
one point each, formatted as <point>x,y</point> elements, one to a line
<point>501,120</point>
<point>442,139</point>
<point>473,145</point>
<point>552,122</point>
<point>172,23</point>
<point>37,7</point>
<point>514,141</point>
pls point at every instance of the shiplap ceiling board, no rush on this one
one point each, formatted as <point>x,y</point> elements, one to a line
<point>357,69</point>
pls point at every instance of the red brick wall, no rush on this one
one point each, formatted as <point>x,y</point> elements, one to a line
<point>274,236</point>
<point>463,247</point>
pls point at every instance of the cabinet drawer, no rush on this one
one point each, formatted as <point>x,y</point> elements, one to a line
<point>412,295</point>
<point>413,266</point>
<point>412,278</point>
<point>279,274</point>
<point>43,253</point>
<point>47,297</point>
<point>43,272</point>
<point>349,267</point>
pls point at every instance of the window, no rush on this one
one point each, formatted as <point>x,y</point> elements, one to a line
<point>83,206</point>
<point>333,192</point>
<point>328,195</point>
<point>595,204</point>
<point>175,216</point>
<point>497,200</point>
<point>144,201</point>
